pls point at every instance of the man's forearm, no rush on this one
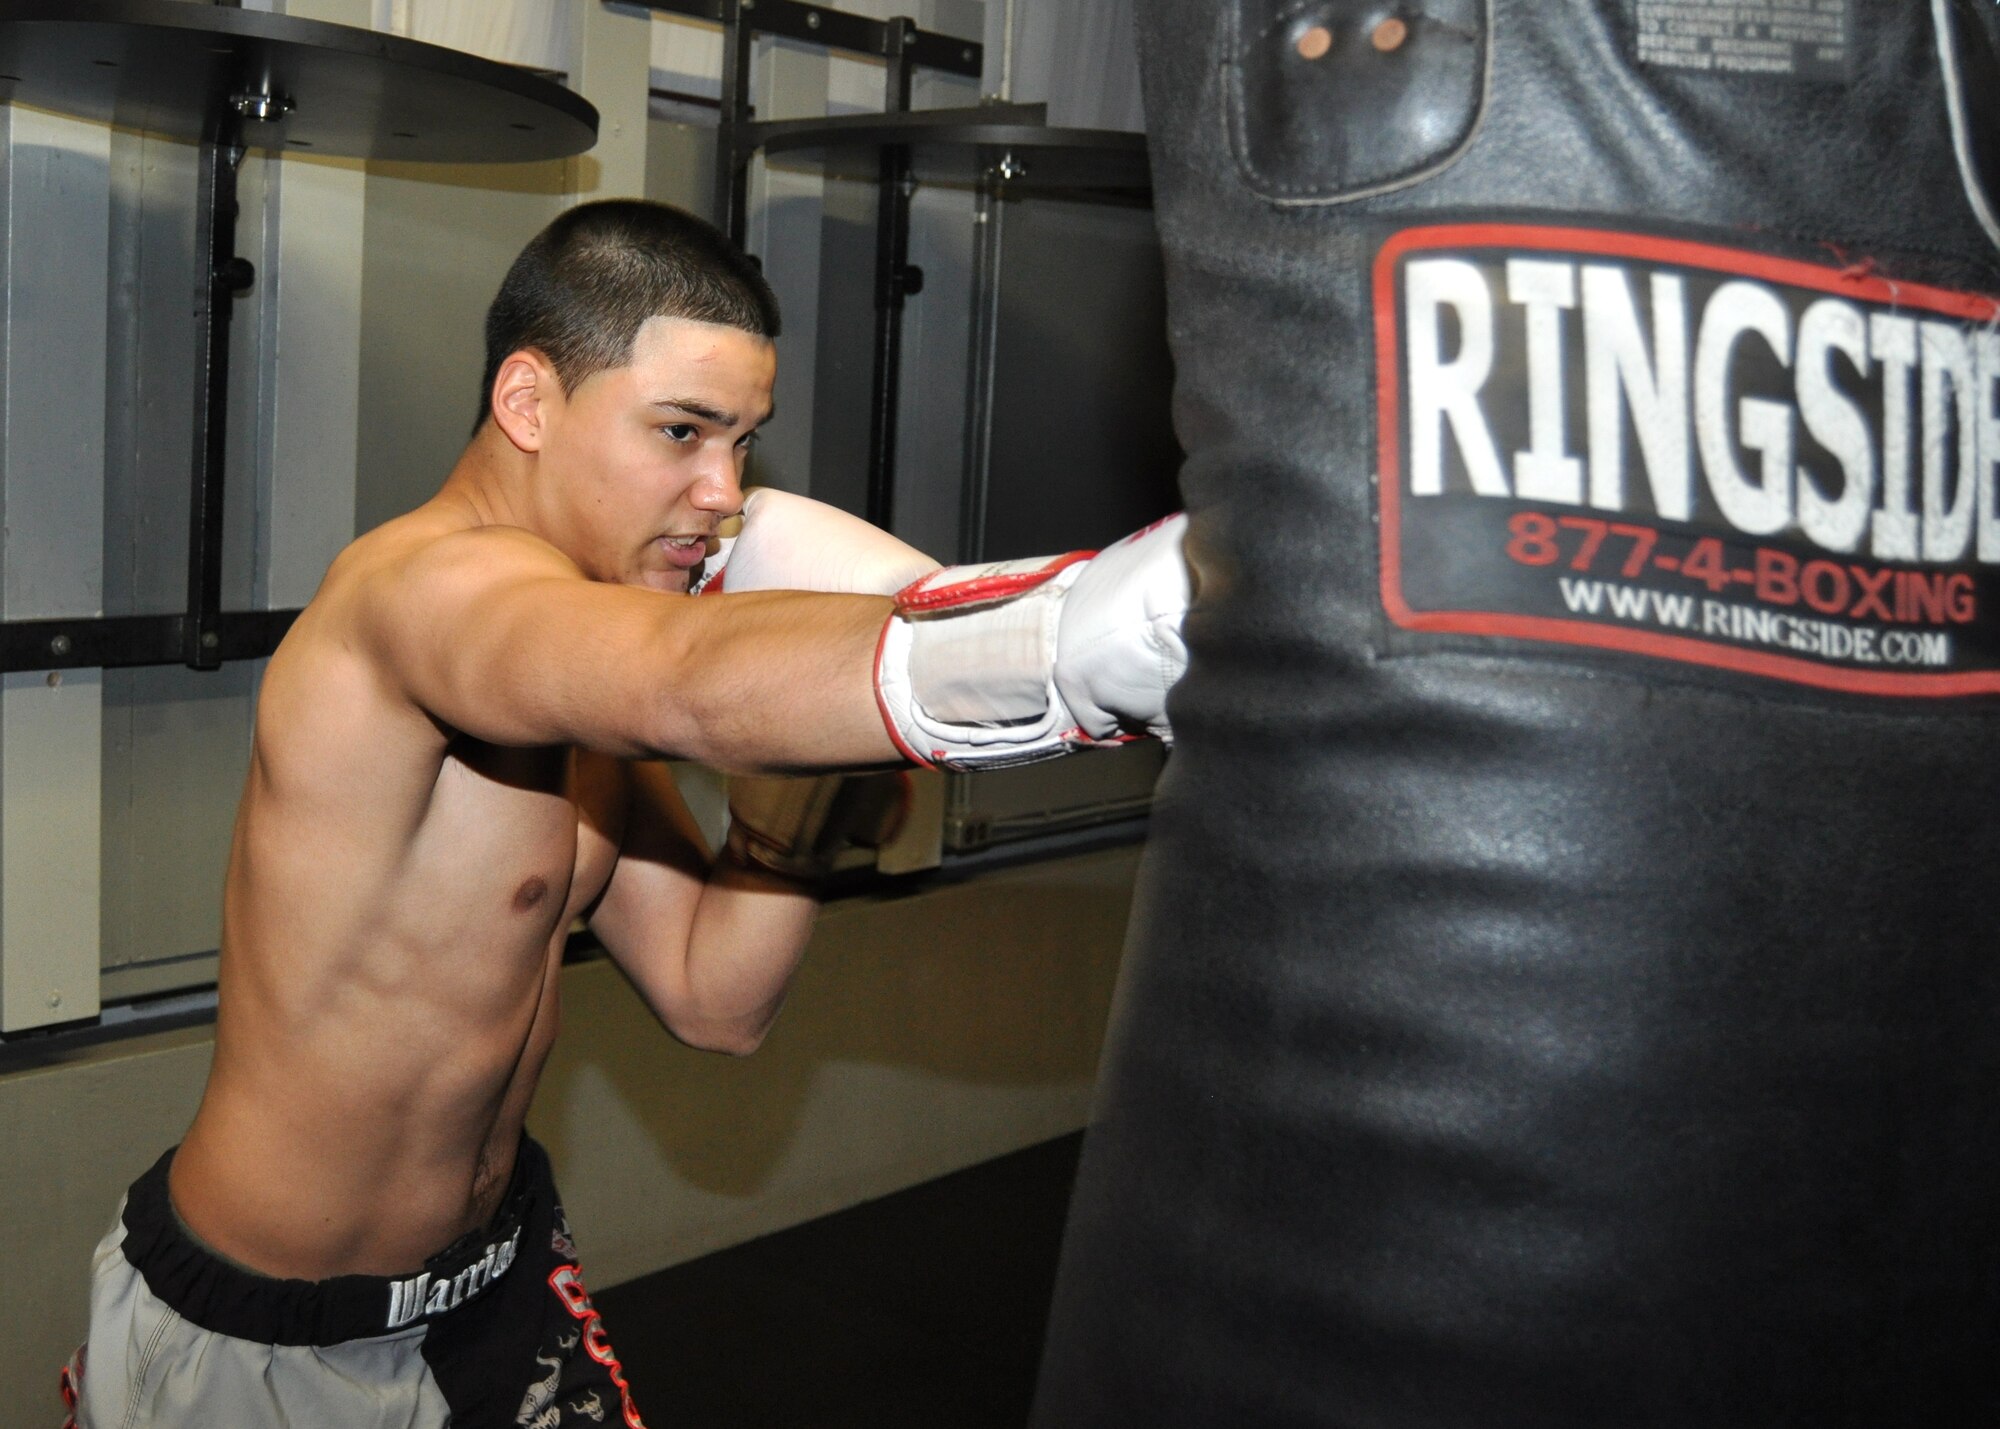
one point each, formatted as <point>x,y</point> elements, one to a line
<point>776,682</point>
<point>750,931</point>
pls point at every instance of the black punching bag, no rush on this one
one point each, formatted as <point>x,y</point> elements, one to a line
<point>1564,985</point>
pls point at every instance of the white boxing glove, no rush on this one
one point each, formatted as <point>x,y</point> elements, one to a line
<point>790,542</point>
<point>987,666</point>
<point>800,827</point>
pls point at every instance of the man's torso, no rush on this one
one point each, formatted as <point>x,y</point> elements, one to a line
<point>395,912</point>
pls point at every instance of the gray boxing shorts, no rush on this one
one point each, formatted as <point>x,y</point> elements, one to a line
<point>496,1329</point>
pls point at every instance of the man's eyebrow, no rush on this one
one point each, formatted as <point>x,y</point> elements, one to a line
<point>693,408</point>
<point>717,415</point>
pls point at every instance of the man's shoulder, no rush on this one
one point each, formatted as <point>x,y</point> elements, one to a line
<point>424,556</point>
<point>385,586</point>
<point>424,540</point>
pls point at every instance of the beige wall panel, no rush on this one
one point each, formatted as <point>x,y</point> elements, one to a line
<point>176,745</point>
<point>923,1034</point>
<point>311,378</point>
<point>608,67</point>
<point>680,165</point>
<point>535,33</point>
<point>54,212</point>
<point>312,242</point>
<point>49,835</point>
<point>439,241</point>
<point>782,228</point>
<point>73,1136</point>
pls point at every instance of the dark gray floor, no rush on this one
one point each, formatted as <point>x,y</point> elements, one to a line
<point>924,1309</point>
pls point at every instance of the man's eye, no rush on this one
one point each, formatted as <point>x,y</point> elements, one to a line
<point>681,431</point>
<point>746,441</point>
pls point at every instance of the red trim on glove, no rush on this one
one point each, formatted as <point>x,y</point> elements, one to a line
<point>1147,529</point>
<point>70,1381</point>
<point>882,705</point>
<point>982,589</point>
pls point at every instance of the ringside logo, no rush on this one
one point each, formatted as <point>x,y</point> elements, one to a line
<point>1690,452</point>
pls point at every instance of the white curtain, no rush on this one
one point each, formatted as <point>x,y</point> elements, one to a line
<point>1076,54</point>
<point>1079,56</point>
<point>522,32</point>
<point>686,57</point>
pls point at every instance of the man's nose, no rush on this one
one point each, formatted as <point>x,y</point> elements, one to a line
<point>719,488</point>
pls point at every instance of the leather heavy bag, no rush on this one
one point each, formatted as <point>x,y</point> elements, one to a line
<point>1564,985</point>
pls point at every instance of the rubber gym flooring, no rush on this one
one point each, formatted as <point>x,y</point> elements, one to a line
<point>924,1309</point>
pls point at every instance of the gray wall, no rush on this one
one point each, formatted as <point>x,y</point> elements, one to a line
<point>55,182</point>
<point>354,367</point>
<point>1076,56</point>
<point>438,246</point>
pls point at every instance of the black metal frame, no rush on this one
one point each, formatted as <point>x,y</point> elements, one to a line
<point>996,139</point>
<point>895,280</point>
<point>904,48</point>
<point>205,635</point>
<point>220,277</point>
<point>118,642</point>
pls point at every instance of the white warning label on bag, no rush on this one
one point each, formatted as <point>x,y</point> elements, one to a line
<point>1796,39</point>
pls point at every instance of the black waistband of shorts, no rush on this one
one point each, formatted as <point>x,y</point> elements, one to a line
<point>218,1295</point>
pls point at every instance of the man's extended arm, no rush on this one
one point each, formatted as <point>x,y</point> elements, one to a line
<point>496,634</point>
<point>991,665</point>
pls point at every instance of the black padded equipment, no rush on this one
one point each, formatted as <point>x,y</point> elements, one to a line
<point>177,68</point>
<point>1564,986</point>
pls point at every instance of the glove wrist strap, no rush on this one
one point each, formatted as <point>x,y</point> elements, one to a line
<point>746,848</point>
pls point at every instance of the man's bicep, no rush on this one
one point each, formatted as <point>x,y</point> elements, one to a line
<point>501,638</point>
<point>711,948</point>
<point>647,908</point>
<point>496,634</point>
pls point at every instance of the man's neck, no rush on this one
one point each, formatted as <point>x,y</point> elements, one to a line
<point>492,481</point>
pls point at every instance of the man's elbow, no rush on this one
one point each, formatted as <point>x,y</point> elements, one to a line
<point>738,1038</point>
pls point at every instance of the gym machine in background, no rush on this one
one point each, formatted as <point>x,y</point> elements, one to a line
<point>232,80</point>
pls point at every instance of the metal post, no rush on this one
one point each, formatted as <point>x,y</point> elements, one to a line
<point>220,276</point>
<point>988,219</point>
<point>732,160</point>
<point>895,280</point>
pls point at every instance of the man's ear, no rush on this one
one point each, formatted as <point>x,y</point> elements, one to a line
<point>524,398</point>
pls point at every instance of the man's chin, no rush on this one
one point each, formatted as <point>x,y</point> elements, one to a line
<point>673,581</point>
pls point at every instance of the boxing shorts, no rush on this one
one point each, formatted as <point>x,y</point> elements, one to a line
<point>496,1329</point>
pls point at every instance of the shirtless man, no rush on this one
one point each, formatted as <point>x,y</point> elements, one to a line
<point>453,761</point>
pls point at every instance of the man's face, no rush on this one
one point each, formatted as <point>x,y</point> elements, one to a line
<point>640,463</point>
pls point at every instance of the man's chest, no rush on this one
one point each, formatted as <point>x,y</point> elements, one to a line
<point>543,825</point>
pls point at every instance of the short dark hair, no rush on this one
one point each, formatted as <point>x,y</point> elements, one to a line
<point>583,287</point>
